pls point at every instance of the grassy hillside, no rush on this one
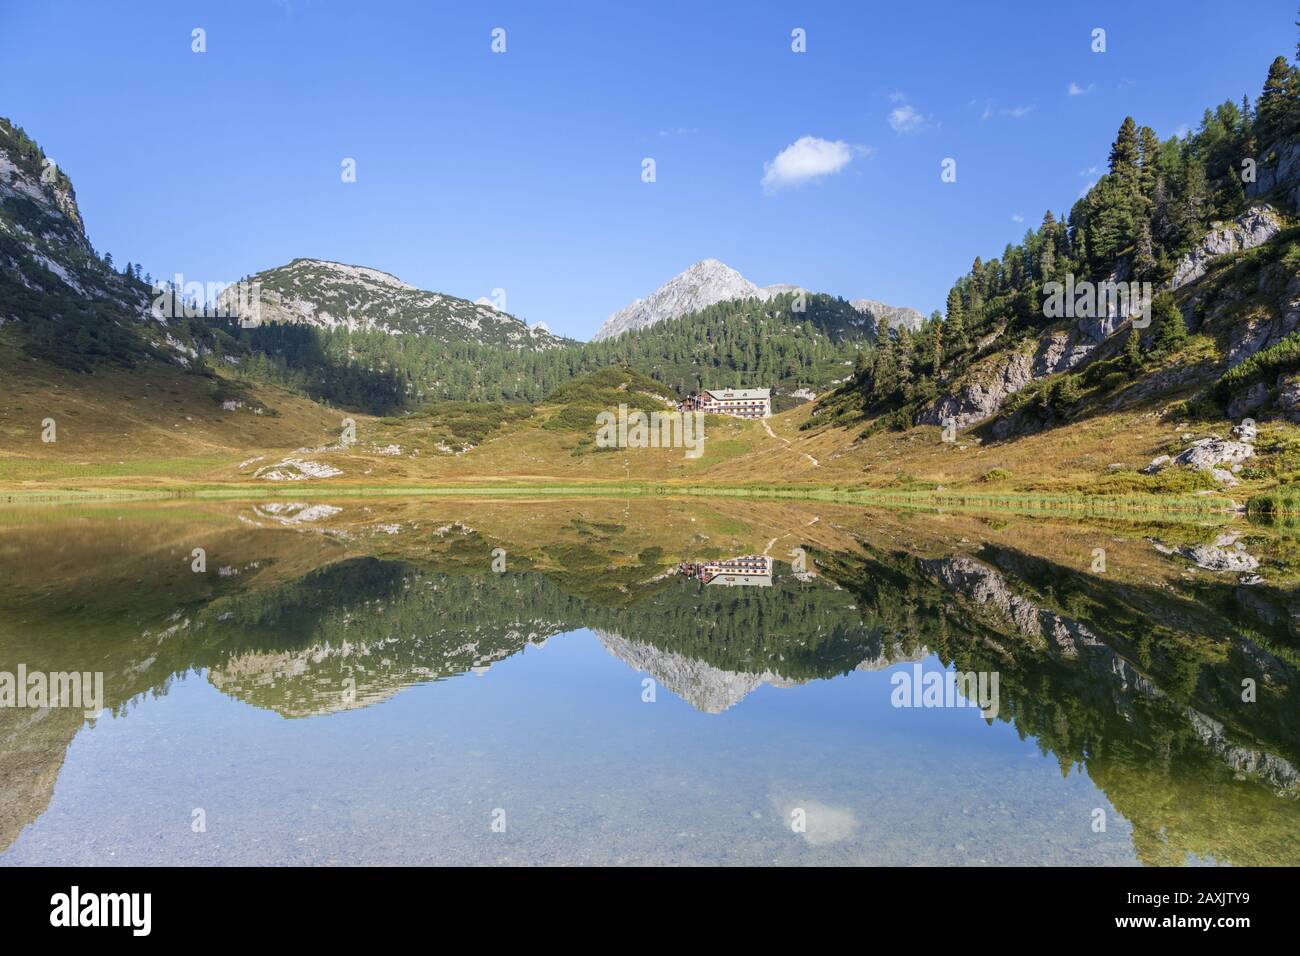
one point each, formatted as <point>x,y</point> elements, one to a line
<point>152,424</point>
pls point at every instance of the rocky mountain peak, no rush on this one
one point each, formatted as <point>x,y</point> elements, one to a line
<point>348,273</point>
<point>51,280</point>
<point>703,284</point>
<point>27,173</point>
<point>711,281</point>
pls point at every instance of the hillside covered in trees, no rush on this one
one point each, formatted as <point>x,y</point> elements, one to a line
<point>1143,221</point>
<point>728,344</point>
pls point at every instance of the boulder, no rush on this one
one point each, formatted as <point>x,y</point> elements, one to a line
<point>1225,554</point>
<point>1156,464</point>
<point>1212,557</point>
<point>1208,453</point>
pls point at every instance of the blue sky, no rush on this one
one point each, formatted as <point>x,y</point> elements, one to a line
<point>522,170</point>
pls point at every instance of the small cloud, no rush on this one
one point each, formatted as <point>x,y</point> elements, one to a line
<point>676,131</point>
<point>897,97</point>
<point>1016,217</point>
<point>905,119</point>
<point>1076,90</point>
<point>1093,171</point>
<point>806,159</point>
<point>1086,189</point>
<point>1015,112</point>
<point>1182,131</point>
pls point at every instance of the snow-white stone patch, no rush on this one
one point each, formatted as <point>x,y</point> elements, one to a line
<point>296,469</point>
<point>296,512</point>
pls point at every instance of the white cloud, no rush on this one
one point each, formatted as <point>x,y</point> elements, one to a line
<point>1015,112</point>
<point>1076,90</point>
<point>1016,217</point>
<point>905,119</point>
<point>806,159</point>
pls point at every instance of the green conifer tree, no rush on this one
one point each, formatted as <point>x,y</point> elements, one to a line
<point>1171,327</point>
<point>1133,350</point>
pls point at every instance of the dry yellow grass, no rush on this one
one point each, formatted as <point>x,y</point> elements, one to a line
<point>163,429</point>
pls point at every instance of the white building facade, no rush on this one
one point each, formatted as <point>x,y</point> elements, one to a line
<point>740,402</point>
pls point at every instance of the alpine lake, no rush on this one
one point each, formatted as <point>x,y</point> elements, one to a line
<point>644,681</point>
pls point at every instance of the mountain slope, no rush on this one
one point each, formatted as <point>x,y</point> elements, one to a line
<point>798,344</point>
<point>58,300</point>
<point>1217,339</point>
<point>125,391</point>
<point>332,295</point>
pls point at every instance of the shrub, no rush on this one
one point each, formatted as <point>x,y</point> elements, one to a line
<point>1274,360</point>
<point>1066,393</point>
<point>1114,380</point>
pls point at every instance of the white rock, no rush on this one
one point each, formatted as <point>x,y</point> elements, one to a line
<point>1208,453</point>
<point>1254,227</point>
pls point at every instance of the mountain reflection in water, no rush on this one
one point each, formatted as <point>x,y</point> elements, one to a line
<point>1171,687</point>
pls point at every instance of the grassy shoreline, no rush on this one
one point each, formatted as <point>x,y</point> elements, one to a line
<point>1034,502</point>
